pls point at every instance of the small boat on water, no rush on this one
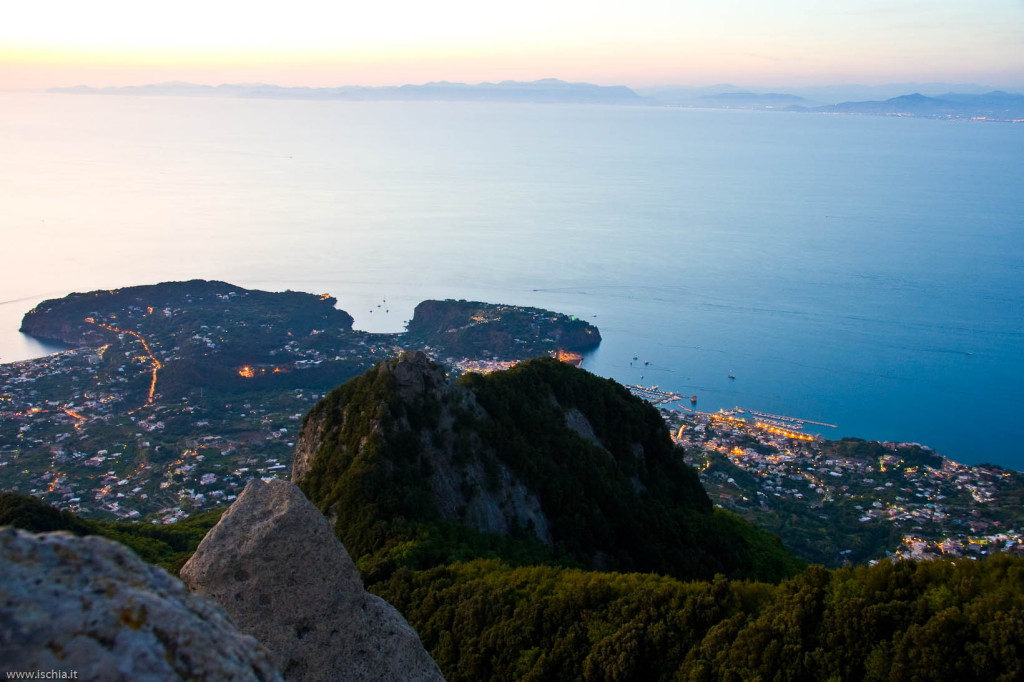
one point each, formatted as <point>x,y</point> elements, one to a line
<point>693,399</point>
<point>731,375</point>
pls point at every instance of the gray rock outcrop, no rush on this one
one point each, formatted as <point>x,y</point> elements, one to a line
<point>416,376</point>
<point>275,566</point>
<point>90,606</point>
<point>304,453</point>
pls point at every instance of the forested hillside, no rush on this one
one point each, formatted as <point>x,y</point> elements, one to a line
<point>540,463</point>
<point>934,620</point>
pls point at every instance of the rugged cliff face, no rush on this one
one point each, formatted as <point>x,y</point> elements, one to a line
<point>89,605</point>
<point>274,565</point>
<point>544,462</point>
<point>414,406</point>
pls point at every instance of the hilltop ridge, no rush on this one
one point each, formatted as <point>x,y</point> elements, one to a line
<point>543,462</point>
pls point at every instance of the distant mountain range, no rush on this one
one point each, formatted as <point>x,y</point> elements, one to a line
<point>816,95</point>
<point>749,100</point>
<point>548,90</point>
<point>996,105</point>
<point>966,102</point>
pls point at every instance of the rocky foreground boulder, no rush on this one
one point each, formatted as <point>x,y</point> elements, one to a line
<point>89,606</point>
<point>276,567</point>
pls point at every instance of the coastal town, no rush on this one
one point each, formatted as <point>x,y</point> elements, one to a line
<point>849,501</point>
<point>91,447</point>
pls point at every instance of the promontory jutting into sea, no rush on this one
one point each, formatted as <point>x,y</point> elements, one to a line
<point>857,271</point>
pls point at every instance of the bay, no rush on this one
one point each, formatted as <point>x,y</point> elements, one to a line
<point>859,271</point>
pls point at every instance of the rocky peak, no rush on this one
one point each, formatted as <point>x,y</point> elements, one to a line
<point>273,563</point>
<point>416,375</point>
<point>409,399</point>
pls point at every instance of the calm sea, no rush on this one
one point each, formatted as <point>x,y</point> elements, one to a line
<point>864,272</point>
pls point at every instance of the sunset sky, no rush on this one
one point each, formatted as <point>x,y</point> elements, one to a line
<point>46,43</point>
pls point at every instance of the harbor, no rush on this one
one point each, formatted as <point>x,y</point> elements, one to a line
<point>775,424</point>
<point>653,395</point>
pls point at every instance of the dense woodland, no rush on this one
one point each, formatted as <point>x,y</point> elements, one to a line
<point>893,621</point>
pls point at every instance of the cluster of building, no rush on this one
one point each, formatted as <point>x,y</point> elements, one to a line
<point>943,507</point>
<point>102,450</point>
<point>464,365</point>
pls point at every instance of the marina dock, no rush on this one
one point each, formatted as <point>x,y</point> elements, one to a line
<point>652,395</point>
<point>789,422</point>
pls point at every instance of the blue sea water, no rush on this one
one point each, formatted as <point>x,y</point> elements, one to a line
<point>860,271</point>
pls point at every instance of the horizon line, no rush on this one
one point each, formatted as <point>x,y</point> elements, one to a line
<point>765,89</point>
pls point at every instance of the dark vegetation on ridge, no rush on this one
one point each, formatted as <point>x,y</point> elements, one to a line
<point>932,620</point>
<point>605,486</point>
